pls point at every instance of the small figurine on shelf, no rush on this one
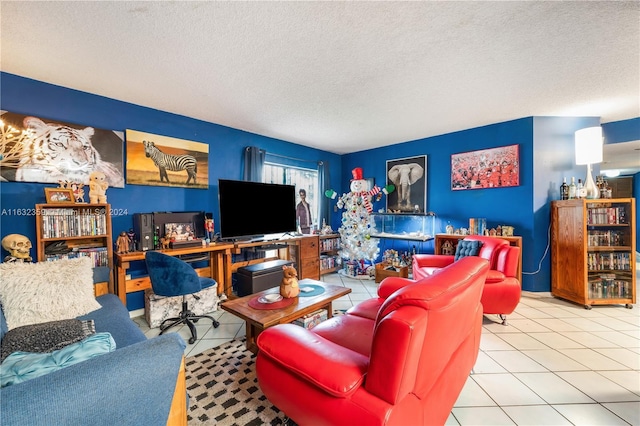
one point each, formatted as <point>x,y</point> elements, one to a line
<point>122,243</point>
<point>289,285</point>
<point>18,247</point>
<point>449,228</point>
<point>78,192</point>
<point>326,229</point>
<point>164,243</point>
<point>132,239</point>
<point>98,188</point>
<point>77,188</point>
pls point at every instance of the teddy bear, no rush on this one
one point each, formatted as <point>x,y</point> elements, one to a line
<point>98,187</point>
<point>289,285</point>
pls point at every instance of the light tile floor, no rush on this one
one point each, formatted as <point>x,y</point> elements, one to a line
<point>555,363</point>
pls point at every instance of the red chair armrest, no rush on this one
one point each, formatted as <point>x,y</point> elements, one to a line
<point>390,284</point>
<point>494,277</point>
<point>301,351</point>
<point>432,260</point>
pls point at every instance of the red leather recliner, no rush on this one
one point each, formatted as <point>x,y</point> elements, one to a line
<point>406,366</point>
<point>502,289</point>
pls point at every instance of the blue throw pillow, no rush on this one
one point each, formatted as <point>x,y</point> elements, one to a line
<point>467,248</point>
<point>22,366</point>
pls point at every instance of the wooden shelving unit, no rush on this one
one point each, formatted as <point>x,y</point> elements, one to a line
<point>593,251</point>
<point>329,258</point>
<point>85,230</point>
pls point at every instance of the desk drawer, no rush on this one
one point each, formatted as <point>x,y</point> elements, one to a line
<point>309,268</point>
<point>309,247</point>
<point>138,284</point>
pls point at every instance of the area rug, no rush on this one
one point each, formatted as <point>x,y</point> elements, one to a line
<point>223,389</point>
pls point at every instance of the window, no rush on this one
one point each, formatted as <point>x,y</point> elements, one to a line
<point>301,178</point>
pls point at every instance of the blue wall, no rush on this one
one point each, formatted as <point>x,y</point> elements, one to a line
<point>545,146</point>
<point>25,96</point>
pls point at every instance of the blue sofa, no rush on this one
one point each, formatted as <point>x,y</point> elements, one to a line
<point>133,385</point>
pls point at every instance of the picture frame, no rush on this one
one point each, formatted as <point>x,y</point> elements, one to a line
<point>21,134</point>
<point>486,168</point>
<point>59,196</point>
<point>189,161</point>
<point>182,231</point>
<point>411,197</point>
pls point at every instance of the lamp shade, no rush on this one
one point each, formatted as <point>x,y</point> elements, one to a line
<point>589,145</point>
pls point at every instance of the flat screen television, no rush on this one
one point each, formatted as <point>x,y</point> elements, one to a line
<point>252,209</point>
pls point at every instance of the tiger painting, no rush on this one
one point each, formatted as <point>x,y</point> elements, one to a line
<point>55,152</point>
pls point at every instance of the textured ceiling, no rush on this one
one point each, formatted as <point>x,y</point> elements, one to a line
<point>339,76</point>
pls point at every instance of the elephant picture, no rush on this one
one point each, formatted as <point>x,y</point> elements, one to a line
<point>409,175</point>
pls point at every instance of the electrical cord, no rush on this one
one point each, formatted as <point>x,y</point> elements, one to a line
<point>546,250</point>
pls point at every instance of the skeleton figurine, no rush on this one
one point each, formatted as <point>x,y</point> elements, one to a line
<point>18,246</point>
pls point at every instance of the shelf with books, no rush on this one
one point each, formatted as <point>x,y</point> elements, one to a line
<point>329,258</point>
<point>66,231</point>
<point>593,251</point>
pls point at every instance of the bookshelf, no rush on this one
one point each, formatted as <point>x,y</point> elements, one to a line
<point>72,230</point>
<point>593,251</point>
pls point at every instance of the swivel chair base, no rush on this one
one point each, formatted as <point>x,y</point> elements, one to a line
<point>189,318</point>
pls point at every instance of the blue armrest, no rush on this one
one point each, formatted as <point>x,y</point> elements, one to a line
<point>113,318</point>
<point>130,386</point>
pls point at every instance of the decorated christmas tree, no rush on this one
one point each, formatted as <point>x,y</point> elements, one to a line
<point>356,229</point>
<point>357,225</point>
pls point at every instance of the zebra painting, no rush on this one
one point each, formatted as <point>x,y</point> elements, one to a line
<point>174,163</point>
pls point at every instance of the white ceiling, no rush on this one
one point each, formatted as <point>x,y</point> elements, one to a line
<point>338,76</point>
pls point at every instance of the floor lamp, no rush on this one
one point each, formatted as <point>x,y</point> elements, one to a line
<point>589,151</point>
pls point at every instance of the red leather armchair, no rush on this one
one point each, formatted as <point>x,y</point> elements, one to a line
<point>405,366</point>
<point>502,289</point>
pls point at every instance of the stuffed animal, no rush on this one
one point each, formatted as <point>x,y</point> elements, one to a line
<point>98,187</point>
<point>289,285</point>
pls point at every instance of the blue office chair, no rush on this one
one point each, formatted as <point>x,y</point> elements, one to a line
<point>170,277</point>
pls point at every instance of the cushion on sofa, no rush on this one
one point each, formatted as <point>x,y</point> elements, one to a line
<point>22,366</point>
<point>467,248</point>
<point>33,293</point>
<point>45,337</point>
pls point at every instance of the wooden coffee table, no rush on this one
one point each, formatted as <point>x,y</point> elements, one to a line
<point>258,319</point>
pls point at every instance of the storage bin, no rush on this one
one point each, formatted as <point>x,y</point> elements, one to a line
<point>261,276</point>
<point>158,308</point>
<point>312,319</point>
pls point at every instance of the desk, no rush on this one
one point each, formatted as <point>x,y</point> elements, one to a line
<point>452,240</point>
<point>302,250</point>
<point>219,268</point>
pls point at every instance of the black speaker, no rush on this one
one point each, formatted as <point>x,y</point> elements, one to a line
<point>143,228</point>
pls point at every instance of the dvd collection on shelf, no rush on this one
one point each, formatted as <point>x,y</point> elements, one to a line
<point>61,223</point>
<point>330,244</point>
<point>606,215</point>
<point>606,238</point>
<point>328,262</point>
<point>616,261</point>
<point>98,255</point>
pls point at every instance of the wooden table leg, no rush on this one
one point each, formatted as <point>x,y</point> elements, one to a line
<point>121,281</point>
<point>252,332</point>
